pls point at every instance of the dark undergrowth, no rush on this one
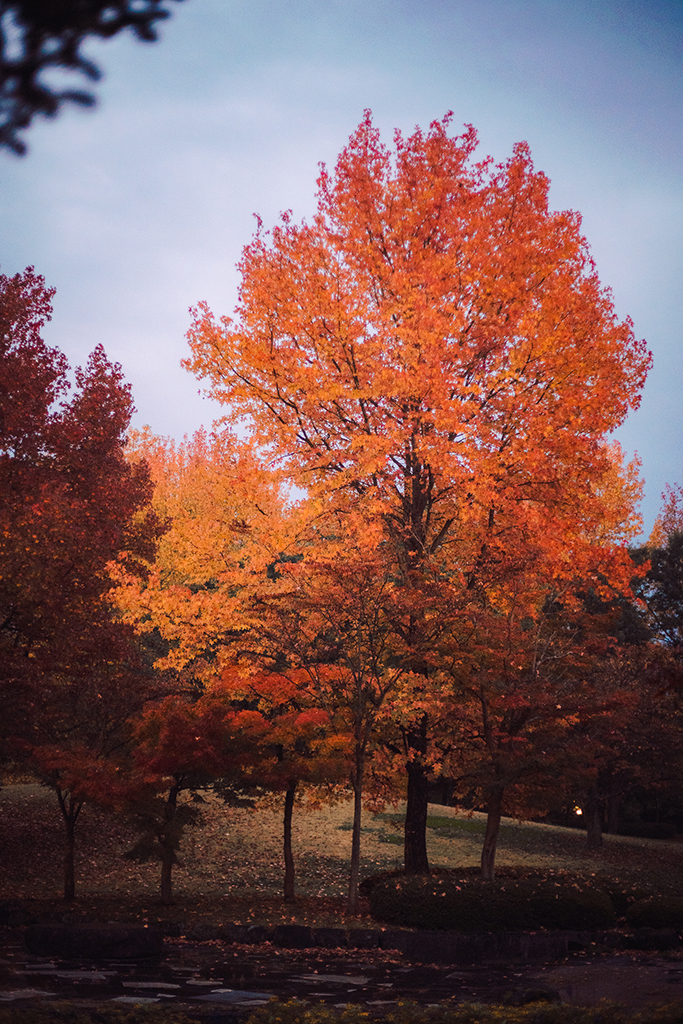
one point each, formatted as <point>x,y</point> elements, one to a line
<point>299,1012</point>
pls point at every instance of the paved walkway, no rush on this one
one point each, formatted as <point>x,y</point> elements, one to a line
<point>210,978</point>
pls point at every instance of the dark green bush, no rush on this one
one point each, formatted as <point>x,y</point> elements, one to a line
<point>649,830</point>
<point>656,912</point>
<point>369,883</point>
<point>504,905</point>
<point>622,894</point>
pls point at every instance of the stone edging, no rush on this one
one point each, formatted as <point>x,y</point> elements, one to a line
<point>101,941</point>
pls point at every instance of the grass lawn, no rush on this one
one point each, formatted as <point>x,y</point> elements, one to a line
<point>231,866</point>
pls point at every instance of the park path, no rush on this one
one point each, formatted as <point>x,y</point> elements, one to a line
<point>209,977</point>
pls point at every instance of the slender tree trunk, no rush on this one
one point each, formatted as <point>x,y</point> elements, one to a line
<point>593,820</point>
<point>416,861</point>
<point>289,859</point>
<point>168,854</point>
<point>613,809</point>
<point>488,853</point>
<point>69,870</point>
<point>354,874</point>
<point>167,877</point>
<point>70,808</point>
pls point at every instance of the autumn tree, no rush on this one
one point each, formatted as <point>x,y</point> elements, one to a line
<point>294,748</point>
<point>180,746</point>
<point>435,349</point>
<point>328,633</point>
<point>230,531</point>
<point>227,524</point>
<point>253,595</point>
<point>71,505</point>
<point>80,728</point>
<point>662,591</point>
<point>670,517</point>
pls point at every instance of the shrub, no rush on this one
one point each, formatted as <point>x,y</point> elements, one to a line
<point>504,905</point>
<point>656,912</point>
<point>623,894</point>
<point>649,830</point>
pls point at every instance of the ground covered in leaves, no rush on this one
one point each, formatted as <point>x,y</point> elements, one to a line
<point>231,864</point>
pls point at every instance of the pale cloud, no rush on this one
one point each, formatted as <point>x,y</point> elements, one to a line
<point>140,209</point>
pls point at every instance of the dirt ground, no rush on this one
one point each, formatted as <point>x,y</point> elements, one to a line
<point>237,852</point>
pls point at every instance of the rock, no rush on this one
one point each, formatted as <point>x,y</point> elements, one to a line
<point>257,933</point>
<point>654,938</point>
<point>485,947</point>
<point>202,931</point>
<point>395,938</point>
<point>172,929</point>
<point>330,938</point>
<point>363,938</point>
<point>293,936</point>
<point>233,933</point>
<point>94,941</point>
<point>14,915</point>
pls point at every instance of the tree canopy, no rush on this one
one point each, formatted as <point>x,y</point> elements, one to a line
<point>72,506</point>
<point>434,362</point>
<point>435,344</point>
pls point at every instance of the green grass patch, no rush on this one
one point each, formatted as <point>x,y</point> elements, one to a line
<point>454,826</point>
<point>442,825</point>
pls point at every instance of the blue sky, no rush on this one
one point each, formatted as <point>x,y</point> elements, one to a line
<point>138,210</point>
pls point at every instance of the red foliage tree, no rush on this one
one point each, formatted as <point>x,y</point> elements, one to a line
<point>71,506</point>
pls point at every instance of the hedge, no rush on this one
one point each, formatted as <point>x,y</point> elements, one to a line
<point>505,905</point>
<point>649,830</point>
<point>656,912</point>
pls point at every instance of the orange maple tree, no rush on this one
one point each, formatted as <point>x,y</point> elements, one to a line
<point>230,527</point>
<point>226,525</point>
<point>670,517</point>
<point>434,351</point>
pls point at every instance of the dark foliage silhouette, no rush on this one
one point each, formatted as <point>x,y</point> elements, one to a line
<point>38,36</point>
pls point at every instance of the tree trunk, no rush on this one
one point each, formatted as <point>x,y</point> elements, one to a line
<point>70,808</point>
<point>167,877</point>
<point>69,870</point>
<point>613,809</point>
<point>289,859</point>
<point>488,853</point>
<point>416,861</point>
<point>354,874</point>
<point>168,854</point>
<point>593,820</point>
